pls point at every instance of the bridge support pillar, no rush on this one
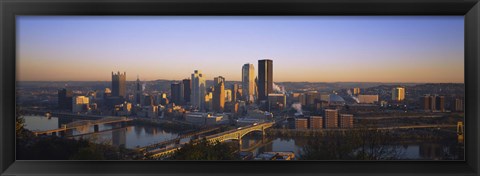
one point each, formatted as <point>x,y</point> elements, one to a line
<point>95,128</point>
<point>54,133</point>
<point>124,124</point>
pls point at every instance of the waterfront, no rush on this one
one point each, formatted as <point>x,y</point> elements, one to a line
<point>135,135</point>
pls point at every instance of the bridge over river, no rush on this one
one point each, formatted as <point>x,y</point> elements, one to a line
<point>83,123</point>
<point>235,134</point>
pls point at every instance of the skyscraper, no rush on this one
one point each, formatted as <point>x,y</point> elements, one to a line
<point>65,99</point>
<point>219,94</point>
<point>234,92</point>
<point>248,82</point>
<point>217,80</point>
<point>228,95</point>
<point>138,92</point>
<point>398,93</point>
<point>177,93</point>
<point>187,89</point>
<point>265,78</point>
<point>198,90</point>
<point>118,85</point>
<point>80,104</point>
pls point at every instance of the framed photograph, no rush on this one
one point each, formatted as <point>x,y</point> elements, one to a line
<point>253,87</point>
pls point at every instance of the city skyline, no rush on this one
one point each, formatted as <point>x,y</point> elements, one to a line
<point>380,49</point>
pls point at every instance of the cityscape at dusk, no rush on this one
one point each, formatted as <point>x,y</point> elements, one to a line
<point>240,88</point>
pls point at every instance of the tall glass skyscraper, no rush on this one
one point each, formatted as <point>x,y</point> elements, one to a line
<point>198,90</point>
<point>119,85</point>
<point>265,78</point>
<point>248,82</point>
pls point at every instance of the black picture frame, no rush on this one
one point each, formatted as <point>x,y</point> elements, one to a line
<point>10,8</point>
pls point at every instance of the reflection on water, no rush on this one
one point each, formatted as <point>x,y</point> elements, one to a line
<point>139,136</point>
<point>412,150</point>
<point>113,134</point>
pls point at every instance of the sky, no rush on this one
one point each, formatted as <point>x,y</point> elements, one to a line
<point>303,48</point>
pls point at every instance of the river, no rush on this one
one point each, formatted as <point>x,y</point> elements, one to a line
<point>138,136</point>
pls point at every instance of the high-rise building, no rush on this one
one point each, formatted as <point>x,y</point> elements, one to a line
<point>277,101</point>
<point>198,90</point>
<point>208,105</point>
<point>148,100</point>
<point>217,80</point>
<point>228,95</point>
<point>310,97</point>
<point>80,104</point>
<point>346,121</point>
<point>248,82</point>
<point>234,92</point>
<point>433,103</point>
<point>119,84</point>
<point>356,91</point>
<point>65,99</point>
<point>425,102</point>
<point>331,118</point>
<point>138,92</point>
<point>265,78</point>
<point>458,105</point>
<point>218,101</point>
<point>187,89</point>
<point>440,103</point>
<point>316,122</point>
<point>398,93</point>
<point>177,93</point>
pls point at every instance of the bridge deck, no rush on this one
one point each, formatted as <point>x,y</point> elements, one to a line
<point>83,123</point>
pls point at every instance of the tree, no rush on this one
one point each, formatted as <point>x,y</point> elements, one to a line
<point>205,150</point>
<point>363,143</point>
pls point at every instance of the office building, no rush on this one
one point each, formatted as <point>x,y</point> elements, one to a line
<point>208,101</point>
<point>310,98</point>
<point>218,101</point>
<point>80,104</point>
<point>398,93</point>
<point>138,92</point>
<point>218,80</point>
<point>346,121</point>
<point>265,79</point>
<point>433,103</point>
<point>119,88</point>
<point>458,105</point>
<point>198,89</point>
<point>228,95</point>
<point>440,103</point>
<point>148,100</point>
<point>248,82</point>
<point>65,99</point>
<point>367,99</point>
<point>177,91</point>
<point>277,101</point>
<point>187,90</point>
<point>331,118</point>
<point>234,92</point>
